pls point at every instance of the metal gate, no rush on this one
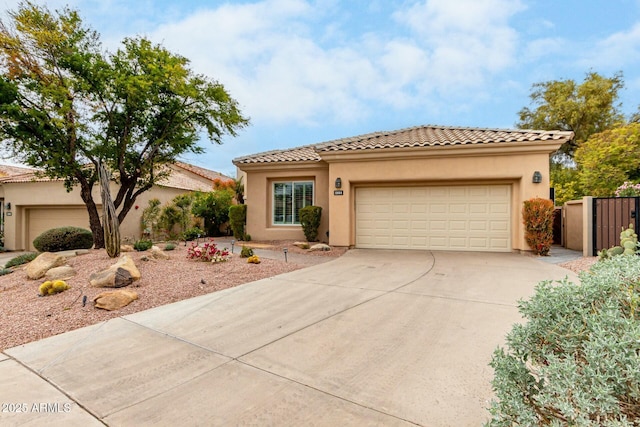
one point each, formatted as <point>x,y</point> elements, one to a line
<point>610,216</point>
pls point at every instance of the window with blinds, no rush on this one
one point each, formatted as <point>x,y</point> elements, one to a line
<point>288,199</point>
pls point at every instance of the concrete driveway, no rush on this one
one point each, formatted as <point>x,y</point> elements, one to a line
<point>371,338</point>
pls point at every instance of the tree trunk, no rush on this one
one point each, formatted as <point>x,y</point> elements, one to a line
<point>94,217</point>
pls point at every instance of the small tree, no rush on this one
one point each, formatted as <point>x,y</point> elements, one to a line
<point>150,218</point>
<point>537,215</point>
<point>608,159</point>
<point>237,220</point>
<point>310,221</point>
<point>213,207</point>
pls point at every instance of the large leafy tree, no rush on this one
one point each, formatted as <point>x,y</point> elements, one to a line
<point>586,108</point>
<point>608,159</point>
<point>65,105</point>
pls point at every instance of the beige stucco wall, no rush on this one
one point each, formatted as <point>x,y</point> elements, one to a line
<point>259,201</point>
<point>446,166</point>
<point>573,225</point>
<point>29,195</point>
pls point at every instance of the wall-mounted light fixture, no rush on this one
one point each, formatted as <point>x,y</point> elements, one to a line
<point>338,183</point>
<point>537,177</point>
<point>7,205</point>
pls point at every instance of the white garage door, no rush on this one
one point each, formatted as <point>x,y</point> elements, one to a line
<point>461,218</point>
<point>43,219</point>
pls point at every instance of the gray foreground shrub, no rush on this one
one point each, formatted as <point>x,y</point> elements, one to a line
<point>576,361</point>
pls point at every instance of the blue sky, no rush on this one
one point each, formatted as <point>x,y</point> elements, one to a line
<point>308,71</point>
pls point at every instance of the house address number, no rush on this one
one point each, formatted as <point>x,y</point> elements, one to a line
<point>338,192</point>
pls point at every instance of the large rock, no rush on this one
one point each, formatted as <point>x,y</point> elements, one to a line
<point>114,300</point>
<point>44,262</point>
<point>122,273</point>
<point>320,247</point>
<point>126,248</point>
<point>301,245</point>
<point>60,273</point>
<point>158,253</point>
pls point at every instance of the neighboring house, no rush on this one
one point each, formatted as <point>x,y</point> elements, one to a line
<point>426,187</point>
<point>32,204</point>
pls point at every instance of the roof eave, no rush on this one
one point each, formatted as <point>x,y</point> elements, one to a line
<point>471,150</point>
<point>254,166</point>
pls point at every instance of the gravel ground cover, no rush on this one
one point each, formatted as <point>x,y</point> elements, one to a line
<point>26,317</point>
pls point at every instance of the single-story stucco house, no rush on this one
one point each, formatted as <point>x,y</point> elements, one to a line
<point>425,187</point>
<point>31,204</point>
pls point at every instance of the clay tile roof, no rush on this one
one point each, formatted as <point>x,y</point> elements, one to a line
<point>11,170</point>
<point>177,179</point>
<point>205,173</point>
<point>419,136</point>
<point>306,153</point>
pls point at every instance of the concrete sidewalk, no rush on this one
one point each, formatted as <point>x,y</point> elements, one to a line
<point>370,338</point>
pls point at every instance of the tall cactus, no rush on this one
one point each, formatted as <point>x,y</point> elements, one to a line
<point>110,223</point>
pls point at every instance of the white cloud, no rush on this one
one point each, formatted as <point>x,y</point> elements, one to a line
<point>621,48</point>
<point>465,39</point>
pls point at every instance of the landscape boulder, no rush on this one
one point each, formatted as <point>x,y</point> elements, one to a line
<point>44,262</point>
<point>301,245</point>
<point>122,273</point>
<point>126,248</point>
<point>114,300</point>
<point>158,253</point>
<point>63,272</point>
<point>320,247</point>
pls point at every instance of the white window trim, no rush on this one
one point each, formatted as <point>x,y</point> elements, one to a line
<point>273,199</point>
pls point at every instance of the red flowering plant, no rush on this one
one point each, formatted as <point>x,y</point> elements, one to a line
<point>208,252</point>
<point>537,215</point>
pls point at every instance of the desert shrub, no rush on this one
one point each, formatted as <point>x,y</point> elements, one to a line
<point>21,259</point>
<point>576,361</point>
<point>253,259</point>
<point>63,239</point>
<point>310,221</point>
<point>5,271</point>
<point>208,252</point>
<point>150,218</point>
<point>192,233</point>
<point>628,189</point>
<point>169,246</point>
<point>237,220</point>
<point>213,207</point>
<point>537,216</point>
<point>246,252</point>
<point>142,245</point>
<point>53,287</point>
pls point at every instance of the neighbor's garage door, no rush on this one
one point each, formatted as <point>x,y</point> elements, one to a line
<point>465,218</point>
<point>43,219</point>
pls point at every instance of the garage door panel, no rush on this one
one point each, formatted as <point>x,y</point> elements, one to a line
<point>442,217</point>
<point>40,220</point>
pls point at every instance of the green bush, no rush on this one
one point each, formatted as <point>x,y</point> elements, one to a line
<point>192,233</point>
<point>142,245</point>
<point>310,221</point>
<point>576,361</point>
<point>237,220</point>
<point>246,252</point>
<point>21,259</point>
<point>63,239</point>
<point>5,271</point>
<point>169,246</point>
